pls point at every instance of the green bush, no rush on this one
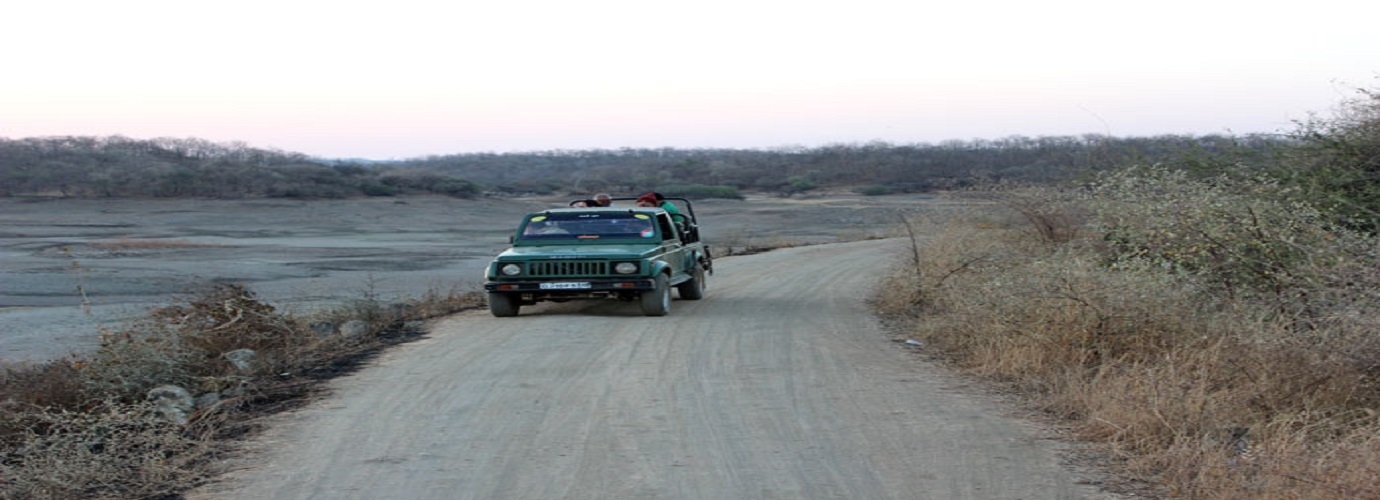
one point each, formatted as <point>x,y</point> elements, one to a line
<point>455,187</point>
<point>528,186</point>
<point>1243,235</point>
<point>798,184</point>
<point>377,189</point>
<point>1337,163</point>
<point>874,190</point>
<point>431,183</point>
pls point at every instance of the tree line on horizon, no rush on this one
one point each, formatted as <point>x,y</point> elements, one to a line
<point>1329,162</point>
<point>118,166</point>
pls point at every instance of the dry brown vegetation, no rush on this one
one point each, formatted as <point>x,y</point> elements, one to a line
<point>87,427</point>
<point>1216,340</point>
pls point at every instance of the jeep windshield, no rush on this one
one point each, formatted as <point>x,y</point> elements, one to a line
<point>581,226</point>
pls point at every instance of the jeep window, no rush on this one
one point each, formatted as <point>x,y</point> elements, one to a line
<point>665,221</point>
<point>587,226</point>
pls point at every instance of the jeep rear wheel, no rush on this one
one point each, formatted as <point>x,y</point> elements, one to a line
<point>503,305</point>
<point>657,302</point>
<point>692,289</point>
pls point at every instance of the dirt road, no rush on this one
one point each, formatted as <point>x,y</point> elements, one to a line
<point>778,385</point>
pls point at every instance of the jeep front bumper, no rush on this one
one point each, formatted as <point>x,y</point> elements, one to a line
<point>572,287</point>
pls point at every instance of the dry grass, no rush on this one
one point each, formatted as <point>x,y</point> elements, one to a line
<point>83,427</point>
<point>112,450</point>
<point>1197,393</point>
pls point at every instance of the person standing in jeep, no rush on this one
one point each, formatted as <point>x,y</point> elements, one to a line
<point>655,199</point>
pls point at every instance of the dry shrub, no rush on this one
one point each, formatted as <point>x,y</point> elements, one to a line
<point>1053,215</point>
<point>902,293</point>
<point>399,316</point>
<point>436,302</point>
<point>1277,460</point>
<point>1203,389</point>
<point>113,450</point>
<point>55,383</point>
<point>1025,317</point>
<point>1266,392</point>
<point>229,317</point>
<point>991,288</point>
<point>943,248</point>
<point>81,428</point>
<point>185,345</point>
<point>30,388</point>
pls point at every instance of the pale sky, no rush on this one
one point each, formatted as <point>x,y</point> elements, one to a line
<point>409,78</point>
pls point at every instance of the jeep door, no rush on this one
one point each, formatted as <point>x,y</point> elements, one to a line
<point>673,251</point>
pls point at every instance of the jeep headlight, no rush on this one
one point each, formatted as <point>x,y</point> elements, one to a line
<point>510,269</point>
<point>625,267</point>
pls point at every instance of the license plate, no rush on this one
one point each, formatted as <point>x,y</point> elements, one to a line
<point>566,285</point>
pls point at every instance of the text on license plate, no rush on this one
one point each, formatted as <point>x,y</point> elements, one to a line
<point>565,285</point>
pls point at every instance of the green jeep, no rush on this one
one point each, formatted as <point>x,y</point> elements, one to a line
<point>621,252</point>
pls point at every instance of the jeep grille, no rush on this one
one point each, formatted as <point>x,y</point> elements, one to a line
<point>568,268</point>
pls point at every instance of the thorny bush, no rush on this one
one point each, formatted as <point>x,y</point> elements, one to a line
<point>81,427</point>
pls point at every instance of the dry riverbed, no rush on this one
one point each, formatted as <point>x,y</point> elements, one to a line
<point>70,268</point>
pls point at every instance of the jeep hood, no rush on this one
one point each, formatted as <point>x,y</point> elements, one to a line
<point>579,252</point>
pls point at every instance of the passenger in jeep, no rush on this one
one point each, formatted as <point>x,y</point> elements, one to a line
<point>656,199</point>
<point>599,200</point>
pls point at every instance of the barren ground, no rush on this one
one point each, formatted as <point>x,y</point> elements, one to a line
<point>69,268</point>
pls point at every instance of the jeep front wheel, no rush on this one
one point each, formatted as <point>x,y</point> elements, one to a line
<point>503,305</point>
<point>657,301</point>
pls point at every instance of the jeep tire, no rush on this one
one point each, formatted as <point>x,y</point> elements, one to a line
<point>503,305</point>
<point>657,301</point>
